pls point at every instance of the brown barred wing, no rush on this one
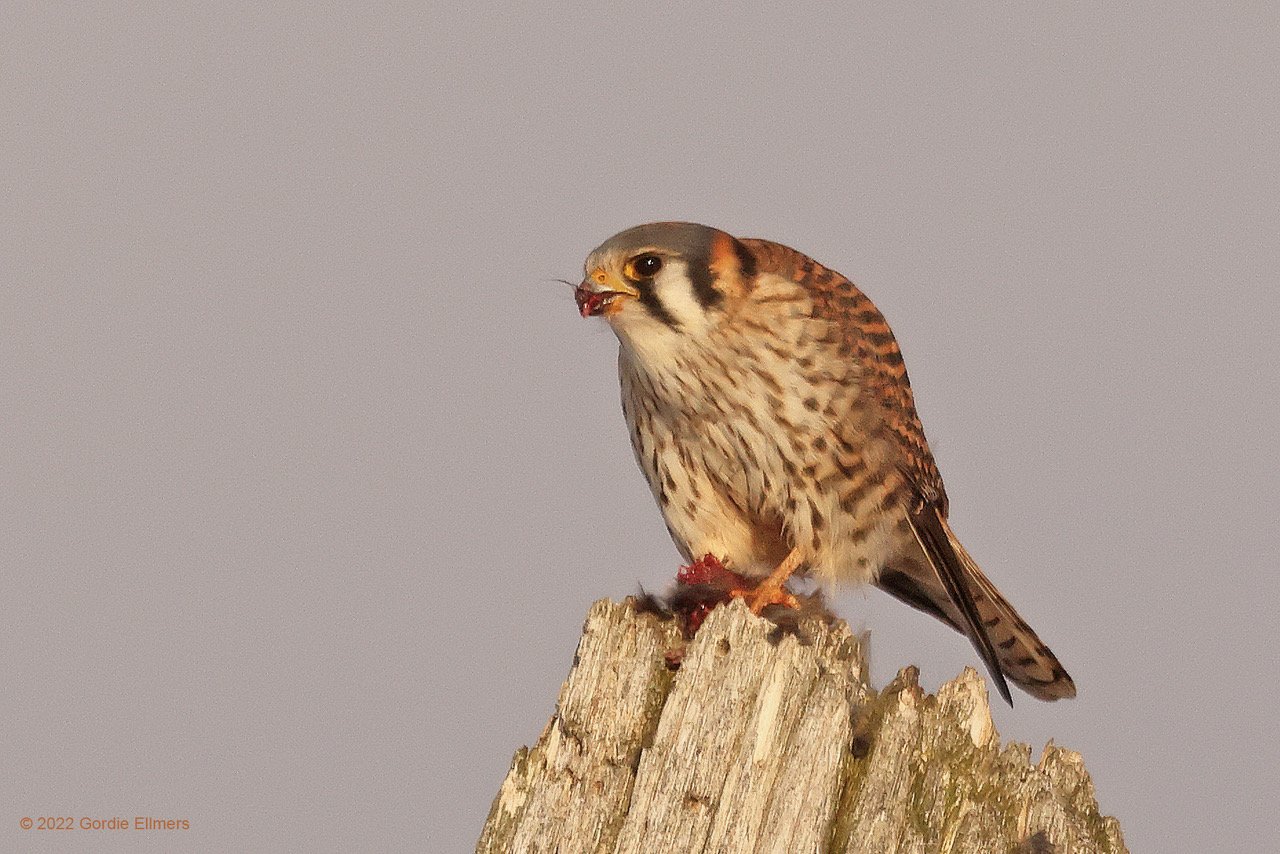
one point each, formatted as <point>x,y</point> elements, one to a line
<point>860,332</point>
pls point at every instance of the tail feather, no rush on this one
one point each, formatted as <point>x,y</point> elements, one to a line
<point>1026,659</point>
<point>951,587</point>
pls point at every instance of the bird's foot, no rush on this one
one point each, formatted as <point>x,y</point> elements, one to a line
<point>772,589</point>
<point>719,584</point>
<point>768,592</point>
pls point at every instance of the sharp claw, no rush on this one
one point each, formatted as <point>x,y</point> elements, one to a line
<point>761,597</point>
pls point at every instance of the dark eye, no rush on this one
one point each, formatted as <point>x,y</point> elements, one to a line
<point>645,266</point>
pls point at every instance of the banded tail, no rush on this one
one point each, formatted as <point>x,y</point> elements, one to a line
<point>957,592</point>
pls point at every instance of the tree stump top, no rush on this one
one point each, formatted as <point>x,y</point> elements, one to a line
<point>751,739</point>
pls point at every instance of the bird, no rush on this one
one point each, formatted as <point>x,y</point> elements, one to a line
<point>770,411</point>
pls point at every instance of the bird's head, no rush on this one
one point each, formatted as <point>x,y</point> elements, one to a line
<point>660,283</point>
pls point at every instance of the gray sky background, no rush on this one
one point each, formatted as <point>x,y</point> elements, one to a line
<point>309,475</point>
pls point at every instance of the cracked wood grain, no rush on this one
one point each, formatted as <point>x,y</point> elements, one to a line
<point>765,741</point>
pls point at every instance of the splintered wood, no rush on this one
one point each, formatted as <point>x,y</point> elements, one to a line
<point>763,741</point>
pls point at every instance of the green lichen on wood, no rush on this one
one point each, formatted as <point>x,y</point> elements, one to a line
<point>956,788</point>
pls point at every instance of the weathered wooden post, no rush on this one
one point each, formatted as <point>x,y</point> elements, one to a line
<point>754,740</point>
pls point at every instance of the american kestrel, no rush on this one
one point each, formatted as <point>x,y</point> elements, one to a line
<point>770,411</point>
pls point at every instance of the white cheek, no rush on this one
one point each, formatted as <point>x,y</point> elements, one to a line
<point>650,340</point>
<point>653,341</point>
<point>676,293</point>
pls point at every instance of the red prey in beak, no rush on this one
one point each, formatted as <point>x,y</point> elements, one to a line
<point>600,294</point>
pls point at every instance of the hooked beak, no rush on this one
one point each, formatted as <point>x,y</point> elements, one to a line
<point>600,293</point>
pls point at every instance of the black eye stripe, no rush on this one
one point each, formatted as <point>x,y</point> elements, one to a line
<point>649,299</point>
<point>648,291</point>
<point>746,261</point>
<point>703,285</point>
